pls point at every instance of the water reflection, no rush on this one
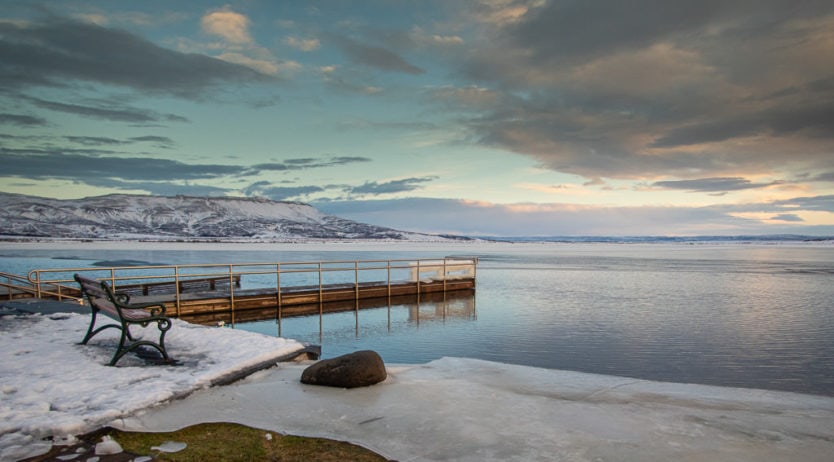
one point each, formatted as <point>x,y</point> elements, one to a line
<point>408,309</point>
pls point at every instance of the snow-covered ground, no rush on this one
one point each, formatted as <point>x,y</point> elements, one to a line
<point>449,409</point>
<point>52,386</point>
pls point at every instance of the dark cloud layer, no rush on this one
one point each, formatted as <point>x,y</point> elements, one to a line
<point>57,51</point>
<point>21,120</point>
<point>649,89</point>
<point>712,184</point>
<point>108,168</point>
<point>308,162</point>
<point>85,168</point>
<point>118,114</point>
<point>374,188</point>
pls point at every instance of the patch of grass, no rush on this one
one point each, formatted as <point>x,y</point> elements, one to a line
<point>233,442</point>
<point>215,442</point>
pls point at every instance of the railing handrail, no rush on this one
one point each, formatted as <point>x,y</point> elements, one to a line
<point>24,285</point>
<point>34,276</point>
<point>231,271</point>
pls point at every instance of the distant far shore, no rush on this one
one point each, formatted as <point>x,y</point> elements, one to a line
<point>467,246</point>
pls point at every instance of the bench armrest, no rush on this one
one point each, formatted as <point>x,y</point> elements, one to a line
<point>122,298</point>
<point>155,309</point>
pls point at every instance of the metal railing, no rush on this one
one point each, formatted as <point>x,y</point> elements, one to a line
<point>282,275</point>
<point>15,286</point>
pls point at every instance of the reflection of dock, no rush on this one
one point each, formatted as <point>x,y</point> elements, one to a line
<point>429,306</point>
<point>207,291</point>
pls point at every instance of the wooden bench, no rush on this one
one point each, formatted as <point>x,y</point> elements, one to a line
<point>117,306</point>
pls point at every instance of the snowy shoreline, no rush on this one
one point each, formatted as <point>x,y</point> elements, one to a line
<point>54,387</point>
<point>447,409</point>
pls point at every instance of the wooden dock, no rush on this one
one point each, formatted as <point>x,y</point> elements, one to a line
<point>301,301</point>
<point>203,291</point>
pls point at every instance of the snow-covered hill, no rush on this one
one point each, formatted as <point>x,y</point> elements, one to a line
<point>122,216</point>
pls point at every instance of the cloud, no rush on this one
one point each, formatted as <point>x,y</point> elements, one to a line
<point>332,76</point>
<point>237,45</point>
<point>159,141</point>
<point>816,203</point>
<point>78,166</point>
<point>308,45</point>
<point>421,37</point>
<point>827,177</point>
<point>21,120</point>
<point>787,217</point>
<point>373,188</point>
<point>308,163</point>
<point>814,119</point>
<point>229,25</point>
<point>120,114</point>
<point>653,89</point>
<point>161,188</point>
<point>280,193</point>
<point>108,168</point>
<point>713,184</point>
<point>376,57</point>
<point>57,52</point>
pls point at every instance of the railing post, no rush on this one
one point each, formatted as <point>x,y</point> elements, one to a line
<point>321,305</point>
<point>356,278</point>
<point>232,291</point>
<point>444,278</point>
<point>177,288</point>
<point>38,283</point>
<point>321,289</point>
<point>278,293</point>
<point>418,281</point>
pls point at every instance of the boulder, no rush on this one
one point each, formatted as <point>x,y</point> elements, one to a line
<point>359,369</point>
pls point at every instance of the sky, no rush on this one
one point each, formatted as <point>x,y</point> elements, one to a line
<point>477,117</point>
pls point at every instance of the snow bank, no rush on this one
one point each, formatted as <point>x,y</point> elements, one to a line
<point>53,387</point>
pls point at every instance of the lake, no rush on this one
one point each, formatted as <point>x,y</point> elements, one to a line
<point>732,314</point>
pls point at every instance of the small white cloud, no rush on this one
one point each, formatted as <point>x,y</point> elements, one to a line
<point>92,18</point>
<point>422,37</point>
<point>303,44</point>
<point>262,66</point>
<point>231,26</point>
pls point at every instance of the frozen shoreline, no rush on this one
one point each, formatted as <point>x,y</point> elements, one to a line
<point>448,409</point>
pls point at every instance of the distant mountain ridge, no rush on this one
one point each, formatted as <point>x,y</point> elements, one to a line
<point>124,216</point>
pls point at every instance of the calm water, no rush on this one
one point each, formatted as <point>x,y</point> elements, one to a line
<point>758,316</point>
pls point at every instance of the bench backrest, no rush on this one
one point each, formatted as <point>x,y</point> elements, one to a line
<point>97,295</point>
